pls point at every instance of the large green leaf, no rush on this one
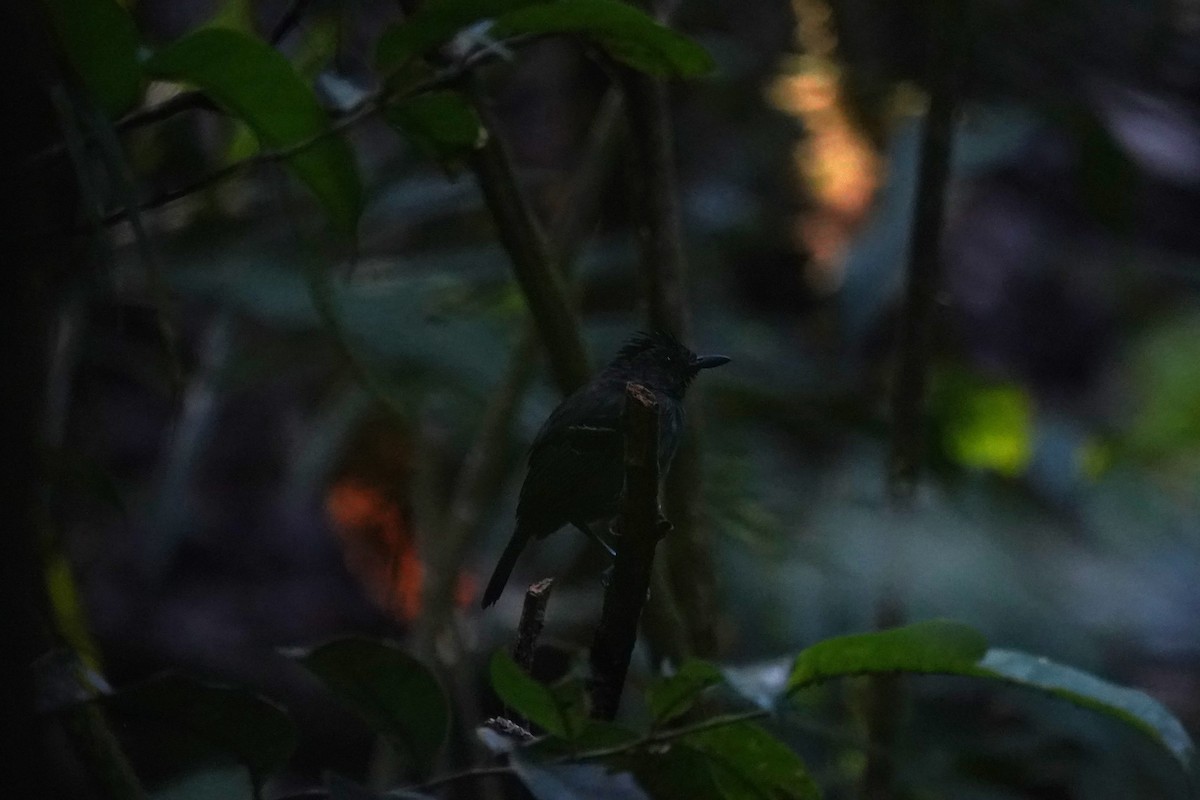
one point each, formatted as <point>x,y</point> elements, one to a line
<point>394,692</point>
<point>629,35</point>
<point>101,42</point>
<point>948,648</point>
<point>434,23</point>
<point>675,695</point>
<point>233,721</point>
<point>553,708</point>
<point>258,86</point>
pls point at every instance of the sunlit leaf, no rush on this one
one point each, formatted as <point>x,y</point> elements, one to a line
<point>101,42</point>
<point>395,693</point>
<point>258,86</point>
<point>628,34</point>
<point>984,424</point>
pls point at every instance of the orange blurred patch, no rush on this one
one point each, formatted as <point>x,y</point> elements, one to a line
<point>377,545</point>
<point>380,550</point>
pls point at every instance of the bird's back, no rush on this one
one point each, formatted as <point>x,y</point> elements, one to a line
<point>576,470</point>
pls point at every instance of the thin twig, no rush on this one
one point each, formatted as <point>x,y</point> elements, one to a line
<point>640,528</point>
<point>533,619</point>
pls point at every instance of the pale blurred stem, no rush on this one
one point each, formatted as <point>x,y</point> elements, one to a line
<point>885,694</point>
<point>685,587</point>
<point>535,265</point>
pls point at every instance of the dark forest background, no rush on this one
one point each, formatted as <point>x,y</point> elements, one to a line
<point>251,430</point>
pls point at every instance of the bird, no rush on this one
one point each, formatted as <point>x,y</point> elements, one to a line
<point>576,472</point>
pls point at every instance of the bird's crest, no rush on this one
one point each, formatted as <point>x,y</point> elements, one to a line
<point>642,341</point>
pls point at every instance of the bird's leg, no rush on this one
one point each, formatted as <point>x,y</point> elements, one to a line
<point>597,538</point>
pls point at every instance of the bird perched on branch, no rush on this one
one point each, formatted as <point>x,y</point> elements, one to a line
<point>576,468</point>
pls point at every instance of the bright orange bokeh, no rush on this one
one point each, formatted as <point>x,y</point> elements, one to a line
<point>380,549</point>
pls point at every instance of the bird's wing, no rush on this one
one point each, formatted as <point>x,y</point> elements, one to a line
<point>572,460</point>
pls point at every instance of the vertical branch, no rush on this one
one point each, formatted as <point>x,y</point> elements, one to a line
<point>885,694</point>
<point>534,264</point>
<point>640,530</point>
<point>915,339</point>
<point>687,579</point>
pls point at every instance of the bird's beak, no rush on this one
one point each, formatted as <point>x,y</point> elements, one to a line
<point>708,362</point>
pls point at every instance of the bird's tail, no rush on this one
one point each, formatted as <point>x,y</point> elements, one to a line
<point>504,567</point>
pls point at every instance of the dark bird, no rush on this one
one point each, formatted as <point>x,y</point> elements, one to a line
<point>576,470</point>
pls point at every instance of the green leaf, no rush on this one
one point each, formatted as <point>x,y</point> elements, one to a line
<point>237,722</point>
<point>434,23</point>
<point>549,707</point>
<point>935,646</point>
<point>940,647</point>
<point>629,35</point>
<point>101,42</point>
<point>747,762</point>
<point>1130,706</point>
<point>442,124</point>
<point>675,695</point>
<point>258,86</point>
<point>395,693</point>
